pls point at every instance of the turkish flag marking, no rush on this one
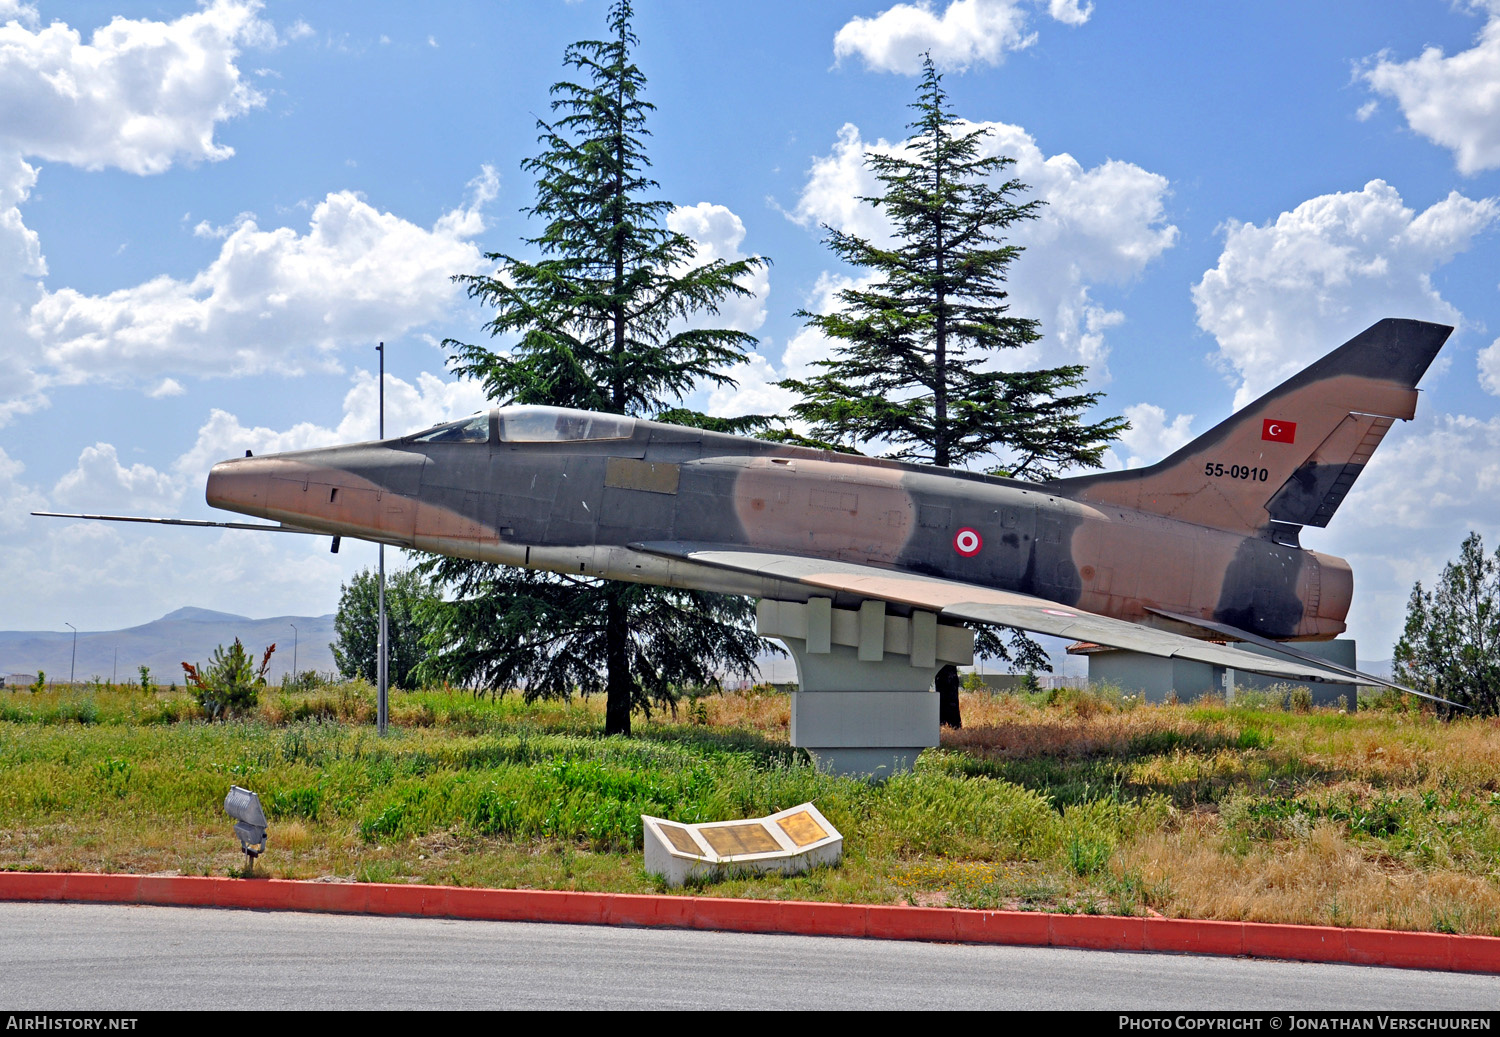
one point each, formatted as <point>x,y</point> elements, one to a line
<point>1279,431</point>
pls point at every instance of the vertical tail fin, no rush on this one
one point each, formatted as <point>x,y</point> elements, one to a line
<point>1289,458</point>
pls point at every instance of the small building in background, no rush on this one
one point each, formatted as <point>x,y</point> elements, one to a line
<point>1010,683</point>
<point>1155,677</point>
<point>17,680</point>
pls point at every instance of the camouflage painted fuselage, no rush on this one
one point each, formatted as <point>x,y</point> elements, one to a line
<point>1208,534</point>
<point>579,506</point>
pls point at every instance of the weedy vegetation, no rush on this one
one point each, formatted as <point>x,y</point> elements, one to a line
<point>1065,800</point>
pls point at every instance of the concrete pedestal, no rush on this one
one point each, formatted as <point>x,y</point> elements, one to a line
<point>865,703</point>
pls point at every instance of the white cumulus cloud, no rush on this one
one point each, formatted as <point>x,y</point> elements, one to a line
<point>1286,292</point>
<point>100,482</point>
<point>810,344</point>
<point>1151,436</point>
<point>1489,367</point>
<point>18,11</point>
<point>1452,100</point>
<point>17,498</point>
<point>965,33</point>
<point>273,300</point>
<point>1070,12</point>
<point>138,96</point>
<point>22,265</point>
<point>756,391</point>
<point>717,234</point>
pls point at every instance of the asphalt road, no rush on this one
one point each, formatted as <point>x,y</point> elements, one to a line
<point>80,956</point>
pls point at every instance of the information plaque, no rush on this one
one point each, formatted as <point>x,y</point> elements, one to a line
<point>788,842</point>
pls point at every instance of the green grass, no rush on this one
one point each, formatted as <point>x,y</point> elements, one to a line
<point>1073,803</point>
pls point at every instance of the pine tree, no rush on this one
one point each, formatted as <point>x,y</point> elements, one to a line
<point>1451,644</point>
<point>599,321</point>
<point>915,363</point>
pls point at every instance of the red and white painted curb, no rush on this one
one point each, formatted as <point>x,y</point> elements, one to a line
<point>938,924</point>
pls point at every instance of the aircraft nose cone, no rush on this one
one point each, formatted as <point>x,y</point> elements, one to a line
<point>239,485</point>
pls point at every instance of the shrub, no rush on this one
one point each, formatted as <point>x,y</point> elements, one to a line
<point>307,680</point>
<point>230,683</point>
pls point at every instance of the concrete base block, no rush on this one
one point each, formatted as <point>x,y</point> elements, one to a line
<point>870,719</point>
<point>866,704</point>
<point>877,764</point>
<point>788,842</point>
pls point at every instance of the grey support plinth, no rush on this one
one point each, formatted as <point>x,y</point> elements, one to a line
<point>864,703</point>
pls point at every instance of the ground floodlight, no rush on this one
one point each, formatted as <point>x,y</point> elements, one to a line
<point>250,821</point>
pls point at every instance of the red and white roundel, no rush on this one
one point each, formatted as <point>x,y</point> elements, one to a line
<point>967,542</point>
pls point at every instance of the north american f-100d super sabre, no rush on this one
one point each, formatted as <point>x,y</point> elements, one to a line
<point>1174,559</point>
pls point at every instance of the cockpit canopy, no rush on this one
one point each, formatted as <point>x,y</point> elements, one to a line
<point>559,425</point>
<point>475,429</point>
<point>531,425</point>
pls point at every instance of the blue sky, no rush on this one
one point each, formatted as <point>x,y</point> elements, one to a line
<point>210,213</point>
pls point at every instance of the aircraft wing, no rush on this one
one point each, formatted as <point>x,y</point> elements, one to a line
<point>1359,676</point>
<point>964,601</point>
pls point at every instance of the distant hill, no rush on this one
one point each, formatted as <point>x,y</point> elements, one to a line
<point>186,635</point>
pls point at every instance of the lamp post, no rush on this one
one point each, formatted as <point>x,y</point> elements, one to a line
<point>382,694</point>
<point>294,651</point>
<point>73,665</point>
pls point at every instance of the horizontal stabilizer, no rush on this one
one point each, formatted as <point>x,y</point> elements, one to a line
<point>967,602</point>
